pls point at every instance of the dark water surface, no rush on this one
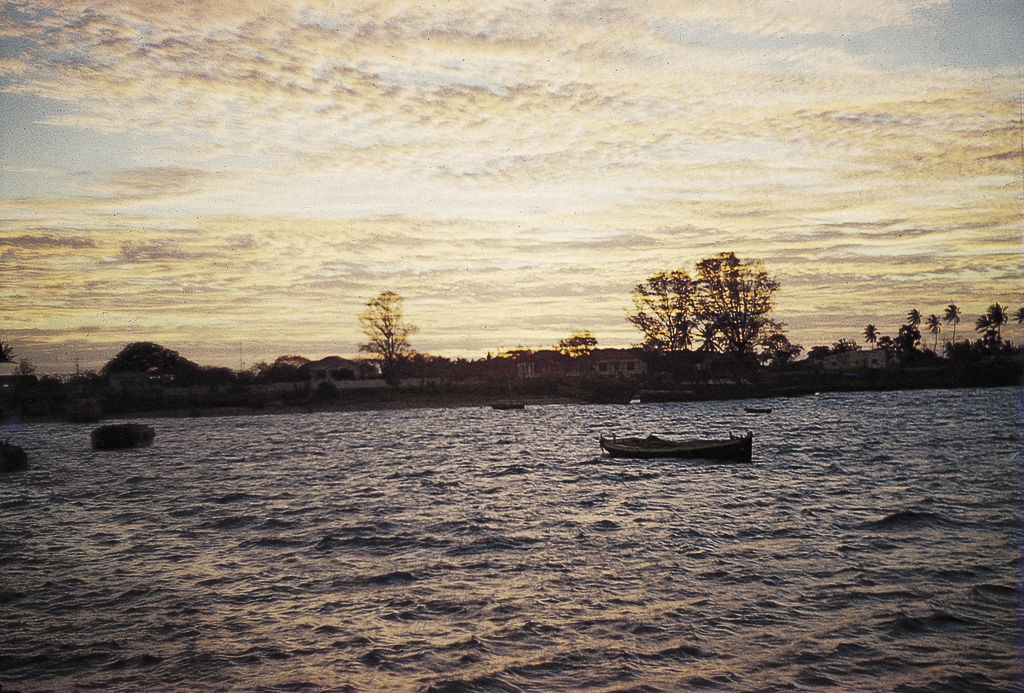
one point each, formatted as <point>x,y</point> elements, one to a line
<point>872,546</point>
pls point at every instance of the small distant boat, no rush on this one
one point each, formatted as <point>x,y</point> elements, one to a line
<point>120,436</point>
<point>735,449</point>
<point>757,410</point>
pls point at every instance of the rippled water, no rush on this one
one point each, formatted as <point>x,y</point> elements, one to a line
<point>872,546</point>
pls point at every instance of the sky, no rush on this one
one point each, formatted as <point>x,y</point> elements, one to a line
<point>235,180</point>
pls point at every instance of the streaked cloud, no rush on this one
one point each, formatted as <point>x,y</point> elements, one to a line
<point>200,170</point>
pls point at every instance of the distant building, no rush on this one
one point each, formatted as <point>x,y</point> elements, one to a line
<point>617,363</point>
<point>873,359</point>
<point>611,363</point>
<point>335,368</point>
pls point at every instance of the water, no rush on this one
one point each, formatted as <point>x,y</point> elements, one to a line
<point>872,546</point>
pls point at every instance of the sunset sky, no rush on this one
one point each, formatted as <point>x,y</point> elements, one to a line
<point>235,180</point>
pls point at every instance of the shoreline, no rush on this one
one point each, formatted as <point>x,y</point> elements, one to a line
<point>434,400</point>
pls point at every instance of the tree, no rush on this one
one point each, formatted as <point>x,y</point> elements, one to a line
<point>736,297</point>
<point>997,316</point>
<point>934,324</point>
<point>384,324</point>
<point>913,318</point>
<point>952,315</point>
<point>1019,315</point>
<point>870,335</point>
<point>6,353</point>
<point>579,344</point>
<point>664,311</point>
<point>708,341</point>
<point>907,340</point>
<point>845,345</point>
<point>147,357</point>
<point>284,369</point>
<point>779,350</point>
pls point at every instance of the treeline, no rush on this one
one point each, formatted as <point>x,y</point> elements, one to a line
<point>908,344</point>
<point>711,334</point>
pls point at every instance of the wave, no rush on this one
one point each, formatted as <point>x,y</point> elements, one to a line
<point>910,519</point>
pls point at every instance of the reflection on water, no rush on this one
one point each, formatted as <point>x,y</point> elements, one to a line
<point>871,546</point>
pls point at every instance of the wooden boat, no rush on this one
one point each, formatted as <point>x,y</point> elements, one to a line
<point>120,436</point>
<point>735,449</point>
<point>757,410</point>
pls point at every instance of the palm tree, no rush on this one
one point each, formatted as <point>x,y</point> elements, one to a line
<point>952,316</point>
<point>870,335</point>
<point>914,318</point>
<point>1019,315</point>
<point>997,317</point>
<point>934,324</point>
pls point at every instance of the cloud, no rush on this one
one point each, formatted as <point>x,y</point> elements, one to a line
<point>511,167</point>
<point>153,182</point>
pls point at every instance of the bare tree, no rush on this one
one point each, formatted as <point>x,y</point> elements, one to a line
<point>384,324</point>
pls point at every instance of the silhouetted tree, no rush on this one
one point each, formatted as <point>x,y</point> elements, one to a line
<point>284,369</point>
<point>934,324</point>
<point>1019,315</point>
<point>908,339</point>
<point>6,353</point>
<point>952,315</point>
<point>384,324</point>
<point>995,317</point>
<point>845,345</point>
<point>870,334</point>
<point>147,357</point>
<point>664,311</point>
<point>914,318</point>
<point>579,344</point>
<point>779,350</point>
<point>736,297</point>
<point>708,342</point>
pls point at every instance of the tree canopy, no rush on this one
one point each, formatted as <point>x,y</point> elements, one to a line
<point>147,357</point>
<point>727,305</point>
<point>664,311</point>
<point>383,322</point>
<point>736,297</point>
<point>579,344</point>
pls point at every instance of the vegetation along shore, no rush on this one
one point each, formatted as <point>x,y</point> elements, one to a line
<point>710,336</point>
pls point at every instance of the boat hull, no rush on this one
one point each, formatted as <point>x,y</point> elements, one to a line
<point>652,447</point>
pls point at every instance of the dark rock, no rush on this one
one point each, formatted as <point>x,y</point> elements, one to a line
<point>119,436</point>
<point>12,457</point>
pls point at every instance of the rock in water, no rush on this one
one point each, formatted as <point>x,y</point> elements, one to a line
<point>12,457</point>
<point>119,436</point>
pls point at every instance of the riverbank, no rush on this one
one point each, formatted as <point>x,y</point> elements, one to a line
<point>435,400</point>
<point>41,401</point>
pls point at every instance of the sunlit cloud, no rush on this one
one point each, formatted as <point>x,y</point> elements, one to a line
<point>511,168</point>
